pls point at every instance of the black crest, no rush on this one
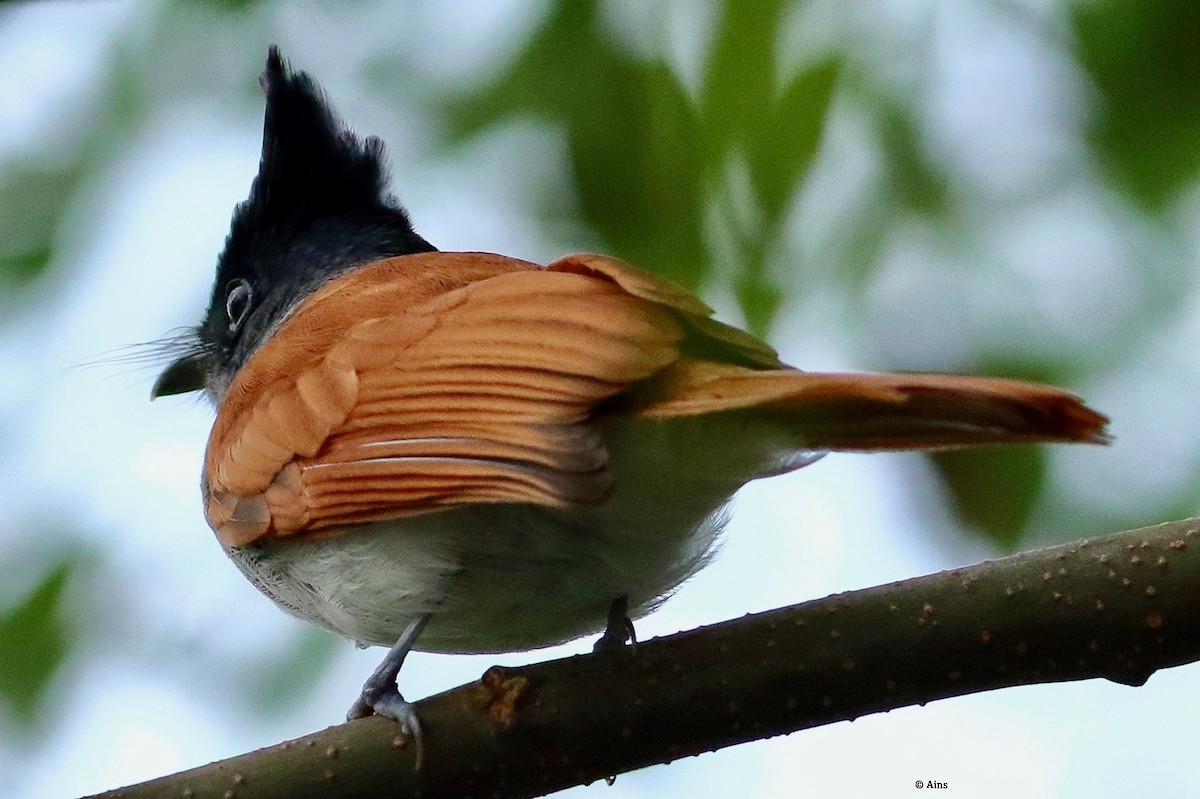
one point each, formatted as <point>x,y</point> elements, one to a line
<point>320,190</point>
<point>318,207</point>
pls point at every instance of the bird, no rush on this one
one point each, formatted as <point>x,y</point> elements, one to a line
<point>465,452</point>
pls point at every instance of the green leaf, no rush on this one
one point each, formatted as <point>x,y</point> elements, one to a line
<point>639,171</point>
<point>759,300</point>
<point>786,141</point>
<point>994,490</point>
<point>546,78</point>
<point>746,116</point>
<point>34,642</point>
<point>919,184</point>
<point>24,268</point>
<point>739,82</point>
<point>1145,63</point>
<point>782,147</point>
<point>34,197</point>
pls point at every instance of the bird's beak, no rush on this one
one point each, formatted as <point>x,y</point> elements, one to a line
<point>184,375</point>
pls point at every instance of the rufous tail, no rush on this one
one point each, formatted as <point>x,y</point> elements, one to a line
<point>872,412</point>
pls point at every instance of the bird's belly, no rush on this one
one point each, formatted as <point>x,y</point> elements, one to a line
<point>494,578</point>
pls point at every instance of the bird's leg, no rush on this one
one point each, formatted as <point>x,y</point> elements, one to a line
<point>381,695</point>
<point>619,630</point>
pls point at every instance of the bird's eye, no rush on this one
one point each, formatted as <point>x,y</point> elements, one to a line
<point>237,303</point>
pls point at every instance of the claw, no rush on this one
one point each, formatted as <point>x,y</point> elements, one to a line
<point>397,708</point>
<point>359,710</point>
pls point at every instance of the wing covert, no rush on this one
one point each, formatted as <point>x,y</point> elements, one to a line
<point>384,396</point>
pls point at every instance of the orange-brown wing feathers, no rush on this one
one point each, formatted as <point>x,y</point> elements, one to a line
<point>479,391</point>
<point>308,360</point>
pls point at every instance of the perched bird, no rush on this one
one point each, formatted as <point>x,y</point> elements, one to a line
<point>467,452</point>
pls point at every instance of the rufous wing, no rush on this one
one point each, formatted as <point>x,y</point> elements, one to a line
<point>434,380</point>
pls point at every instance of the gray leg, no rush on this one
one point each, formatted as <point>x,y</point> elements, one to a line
<point>381,695</point>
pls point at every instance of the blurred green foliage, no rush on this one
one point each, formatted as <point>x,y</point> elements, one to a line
<point>34,197</point>
<point>630,129</point>
<point>994,491</point>
<point>35,637</point>
<point>279,684</point>
<point>919,184</point>
<point>1144,63</point>
<point>649,161</point>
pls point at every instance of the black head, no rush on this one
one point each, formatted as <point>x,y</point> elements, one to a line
<point>318,208</point>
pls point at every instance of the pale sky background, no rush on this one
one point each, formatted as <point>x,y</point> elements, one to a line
<point>167,676</point>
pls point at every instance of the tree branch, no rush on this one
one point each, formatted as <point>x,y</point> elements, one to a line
<point>1120,608</point>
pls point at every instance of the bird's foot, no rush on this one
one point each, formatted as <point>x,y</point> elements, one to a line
<point>380,695</point>
<point>619,630</point>
<point>385,700</point>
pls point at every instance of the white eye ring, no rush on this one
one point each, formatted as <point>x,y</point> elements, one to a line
<point>237,303</point>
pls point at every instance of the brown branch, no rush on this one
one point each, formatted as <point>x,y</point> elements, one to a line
<point>1120,608</point>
